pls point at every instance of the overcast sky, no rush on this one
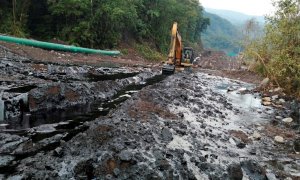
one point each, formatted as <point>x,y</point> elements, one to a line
<point>250,7</point>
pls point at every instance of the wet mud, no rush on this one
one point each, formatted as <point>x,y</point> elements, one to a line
<point>85,122</point>
<point>42,103</point>
<point>188,126</point>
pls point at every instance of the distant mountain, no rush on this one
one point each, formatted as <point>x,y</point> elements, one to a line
<point>221,35</point>
<point>234,17</point>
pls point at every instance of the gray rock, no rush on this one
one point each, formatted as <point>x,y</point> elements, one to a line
<point>270,175</point>
<point>119,146</point>
<point>181,115</point>
<point>166,134</point>
<point>287,120</point>
<point>264,82</point>
<point>46,128</point>
<point>158,154</point>
<point>109,176</point>
<point>252,151</point>
<point>3,126</point>
<point>51,140</point>
<point>242,89</point>
<point>230,89</point>
<point>253,170</point>
<point>256,135</point>
<point>266,103</point>
<point>281,101</point>
<point>297,145</point>
<point>235,172</point>
<point>58,152</point>
<point>241,145</point>
<point>116,171</point>
<point>7,147</point>
<point>6,160</point>
<point>266,99</point>
<point>163,164</point>
<point>275,97</point>
<point>16,177</point>
<point>279,139</point>
<point>125,155</point>
<point>277,89</point>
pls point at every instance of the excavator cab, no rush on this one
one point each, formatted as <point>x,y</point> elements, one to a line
<point>187,56</point>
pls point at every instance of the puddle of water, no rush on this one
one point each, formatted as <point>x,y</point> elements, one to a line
<point>246,100</point>
<point>243,100</point>
<point>251,111</point>
<point>1,108</point>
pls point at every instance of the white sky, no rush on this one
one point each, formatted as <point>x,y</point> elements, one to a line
<point>250,7</point>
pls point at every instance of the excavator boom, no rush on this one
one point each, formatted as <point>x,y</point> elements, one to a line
<point>176,44</point>
<point>175,51</point>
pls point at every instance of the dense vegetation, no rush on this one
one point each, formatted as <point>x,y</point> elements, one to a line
<point>277,53</point>
<point>103,23</point>
<point>221,35</point>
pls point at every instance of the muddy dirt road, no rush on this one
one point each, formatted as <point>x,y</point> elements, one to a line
<point>85,122</point>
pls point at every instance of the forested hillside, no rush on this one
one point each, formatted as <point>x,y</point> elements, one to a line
<point>221,35</point>
<point>236,18</point>
<point>103,23</point>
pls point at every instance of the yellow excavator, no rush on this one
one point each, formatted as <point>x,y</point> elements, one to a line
<point>178,56</point>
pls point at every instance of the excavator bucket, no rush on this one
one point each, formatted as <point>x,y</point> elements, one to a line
<point>168,69</point>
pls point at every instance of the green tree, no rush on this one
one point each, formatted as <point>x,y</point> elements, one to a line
<point>104,23</point>
<point>278,52</point>
<point>13,17</point>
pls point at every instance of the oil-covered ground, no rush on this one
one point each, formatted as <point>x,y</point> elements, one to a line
<point>85,122</point>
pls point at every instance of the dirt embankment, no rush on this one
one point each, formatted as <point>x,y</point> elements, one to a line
<point>131,58</point>
<point>217,63</point>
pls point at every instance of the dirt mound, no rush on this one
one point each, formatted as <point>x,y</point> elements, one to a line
<point>218,60</point>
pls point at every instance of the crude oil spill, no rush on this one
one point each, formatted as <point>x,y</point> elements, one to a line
<point>80,113</point>
<point>136,87</point>
<point>96,78</point>
<point>22,89</point>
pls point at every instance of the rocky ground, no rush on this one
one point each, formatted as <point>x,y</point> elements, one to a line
<point>89,122</point>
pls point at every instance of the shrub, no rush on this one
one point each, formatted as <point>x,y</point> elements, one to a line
<point>278,51</point>
<point>148,53</point>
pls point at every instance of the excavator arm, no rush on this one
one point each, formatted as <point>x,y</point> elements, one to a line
<point>175,53</point>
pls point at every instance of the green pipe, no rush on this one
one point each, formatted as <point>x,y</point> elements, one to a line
<point>59,47</point>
